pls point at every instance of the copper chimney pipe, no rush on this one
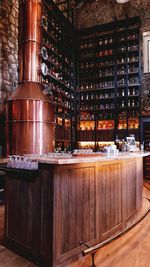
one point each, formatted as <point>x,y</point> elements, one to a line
<point>30,115</point>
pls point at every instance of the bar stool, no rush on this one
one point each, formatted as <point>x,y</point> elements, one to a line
<point>2,187</point>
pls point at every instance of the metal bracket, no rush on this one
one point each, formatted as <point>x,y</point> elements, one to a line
<point>92,254</point>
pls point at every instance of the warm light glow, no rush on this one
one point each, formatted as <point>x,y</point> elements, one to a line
<point>86,144</point>
<point>122,1</point>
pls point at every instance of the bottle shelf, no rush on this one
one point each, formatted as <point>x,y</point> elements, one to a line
<point>95,89</point>
<point>57,55</point>
<point>110,57</point>
<point>58,69</point>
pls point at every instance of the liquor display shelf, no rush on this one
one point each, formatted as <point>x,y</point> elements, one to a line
<point>58,70</point>
<point>109,80</point>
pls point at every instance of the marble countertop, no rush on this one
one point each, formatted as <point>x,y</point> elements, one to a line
<point>84,158</point>
<point>88,159</point>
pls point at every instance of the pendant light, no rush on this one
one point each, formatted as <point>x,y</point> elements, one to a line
<point>122,1</point>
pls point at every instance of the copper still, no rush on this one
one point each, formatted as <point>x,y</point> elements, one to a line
<point>30,115</point>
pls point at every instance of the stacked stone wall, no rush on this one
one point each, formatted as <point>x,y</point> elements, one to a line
<point>8,59</point>
<point>8,48</point>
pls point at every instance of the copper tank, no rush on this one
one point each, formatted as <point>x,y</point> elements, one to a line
<point>30,115</point>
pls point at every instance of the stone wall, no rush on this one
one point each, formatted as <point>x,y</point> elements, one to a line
<point>8,56</point>
<point>96,12</point>
<point>9,47</point>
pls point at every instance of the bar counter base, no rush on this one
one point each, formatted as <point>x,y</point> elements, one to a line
<point>136,219</point>
<point>50,211</point>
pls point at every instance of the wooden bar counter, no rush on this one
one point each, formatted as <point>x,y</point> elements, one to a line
<point>89,199</point>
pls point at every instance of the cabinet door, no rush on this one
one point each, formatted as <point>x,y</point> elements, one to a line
<point>110,199</point>
<point>129,184</point>
<point>76,213</point>
<point>22,213</point>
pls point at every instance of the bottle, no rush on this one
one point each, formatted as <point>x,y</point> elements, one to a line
<point>133,103</point>
<point>123,146</point>
<point>117,141</point>
<point>100,41</point>
<point>133,91</point>
<point>82,97</point>
<point>122,103</point>
<point>129,103</point>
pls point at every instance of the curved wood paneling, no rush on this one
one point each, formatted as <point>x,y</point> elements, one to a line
<point>86,202</point>
<point>110,199</point>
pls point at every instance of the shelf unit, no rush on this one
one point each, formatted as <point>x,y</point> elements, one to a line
<point>66,8</point>
<point>145,137</point>
<point>58,70</point>
<point>108,94</point>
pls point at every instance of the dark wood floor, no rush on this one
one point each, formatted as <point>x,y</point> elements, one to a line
<point>130,250</point>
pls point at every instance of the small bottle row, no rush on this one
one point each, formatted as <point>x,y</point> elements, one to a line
<point>105,53</point>
<point>58,99</point>
<point>131,114</point>
<point>130,36</point>
<point>87,116</point>
<point>106,71</point>
<point>102,125</point>
<point>131,81</point>
<point>101,85</point>
<point>105,40</point>
<point>91,64</point>
<point>110,116</point>
<point>48,73</point>
<point>105,116</point>
<point>105,106</point>
<point>100,116</point>
<point>55,37</point>
<point>96,96</point>
<point>131,103</point>
<point>62,122</point>
<point>56,50</point>
<point>90,55</point>
<point>131,92</point>
<point>96,74</point>
<point>54,60</point>
<point>62,113</point>
<point>130,69</point>
<point>129,59</point>
<point>129,47</point>
<point>90,43</point>
<point>49,24</point>
<point>56,88</point>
